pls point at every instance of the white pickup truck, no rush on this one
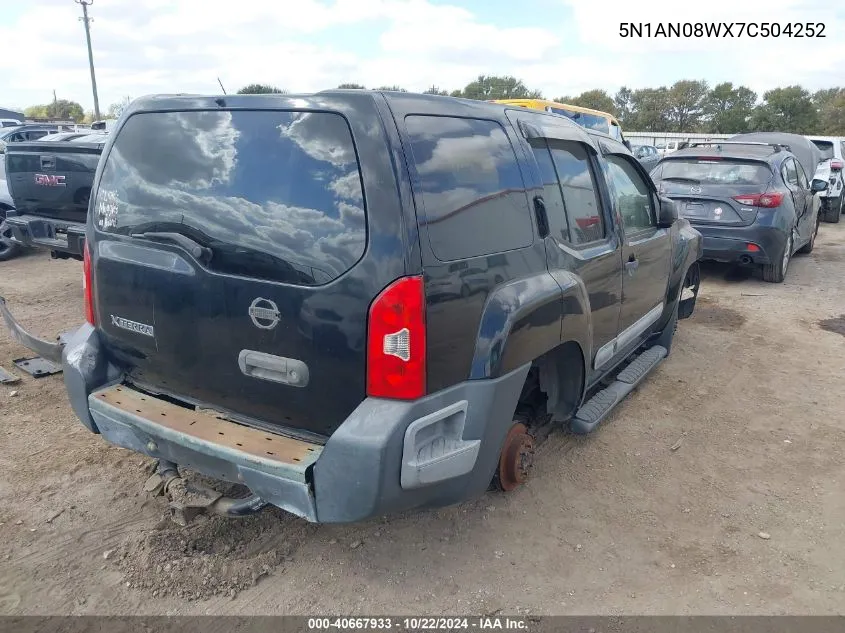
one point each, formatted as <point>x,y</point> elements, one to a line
<point>830,169</point>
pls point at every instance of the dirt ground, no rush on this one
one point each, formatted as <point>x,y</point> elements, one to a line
<point>746,516</point>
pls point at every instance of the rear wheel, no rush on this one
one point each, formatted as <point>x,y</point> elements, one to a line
<point>8,248</point>
<point>689,292</point>
<point>517,457</point>
<point>776,272</point>
<point>808,247</point>
<point>833,209</point>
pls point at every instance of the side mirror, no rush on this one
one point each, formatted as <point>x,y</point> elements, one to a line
<point>667,214</point>
<point>627,144</point>
<point>818,185</point>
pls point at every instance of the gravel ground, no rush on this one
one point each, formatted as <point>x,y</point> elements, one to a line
<point>745,516</point>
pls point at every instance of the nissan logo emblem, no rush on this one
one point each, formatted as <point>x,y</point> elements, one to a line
<point>264,313</point>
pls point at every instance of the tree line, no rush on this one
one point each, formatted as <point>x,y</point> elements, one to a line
<point>685,106</point>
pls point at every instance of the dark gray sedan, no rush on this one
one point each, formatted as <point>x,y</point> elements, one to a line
<point>751,200</point>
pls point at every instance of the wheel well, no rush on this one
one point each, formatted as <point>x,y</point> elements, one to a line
<point>555,384</point>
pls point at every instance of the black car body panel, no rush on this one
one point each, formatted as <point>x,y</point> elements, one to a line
<point>50,183</point>
<point>527,233</point>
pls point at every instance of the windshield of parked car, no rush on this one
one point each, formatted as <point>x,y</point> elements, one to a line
<point>826,148</point>
<point>584,119</point>
<point>713,172</point>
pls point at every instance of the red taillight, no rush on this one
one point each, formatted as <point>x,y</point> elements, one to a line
<point>768,200</point>
<point>87,286</point>
<point>396,345</point>
<point>836,165</point>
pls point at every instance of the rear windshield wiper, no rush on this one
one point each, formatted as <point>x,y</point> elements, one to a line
<point>199,251</point>
<point>682,179</point>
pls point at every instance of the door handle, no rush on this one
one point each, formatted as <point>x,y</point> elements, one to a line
<point>48,162</point>
<point>287,371</point>
<point>632,264</point>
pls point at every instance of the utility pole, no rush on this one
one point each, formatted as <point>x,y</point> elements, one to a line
<point>85,4</point>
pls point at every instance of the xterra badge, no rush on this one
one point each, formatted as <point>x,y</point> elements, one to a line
<point>132,326</point>
<point>264,313</point>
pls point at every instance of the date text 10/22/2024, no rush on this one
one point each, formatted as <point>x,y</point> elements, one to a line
<point>418,624</point>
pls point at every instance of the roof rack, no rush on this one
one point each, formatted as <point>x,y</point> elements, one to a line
<point>777,147</point>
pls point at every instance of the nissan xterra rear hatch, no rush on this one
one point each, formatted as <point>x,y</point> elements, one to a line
<point>226,249</point>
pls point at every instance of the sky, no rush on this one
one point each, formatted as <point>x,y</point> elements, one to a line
<point>561,47</point>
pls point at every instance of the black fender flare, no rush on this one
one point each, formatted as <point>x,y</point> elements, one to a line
<point>687,249</point>
<point>528,317</point>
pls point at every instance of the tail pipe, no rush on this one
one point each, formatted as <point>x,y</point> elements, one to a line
<point>187,500</point>
<point>745,259</point>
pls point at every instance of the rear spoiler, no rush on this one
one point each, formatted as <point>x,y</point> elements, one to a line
<point>776,147</point>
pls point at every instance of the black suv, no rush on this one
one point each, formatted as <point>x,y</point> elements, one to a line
<point>360,302</point>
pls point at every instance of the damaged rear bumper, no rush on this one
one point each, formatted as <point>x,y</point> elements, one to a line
<point>84,365</point>
<point>386,457</point>
<point>52,351</point>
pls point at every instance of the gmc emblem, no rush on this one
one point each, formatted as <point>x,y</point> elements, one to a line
<point>48,180</point>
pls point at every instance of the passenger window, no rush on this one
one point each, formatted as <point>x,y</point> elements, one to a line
<point>802,178</point>
<point>632,195</point>
<point>471,186</point>
<point>552,196</point>
<point>580,200</point>
<point>789,173</point>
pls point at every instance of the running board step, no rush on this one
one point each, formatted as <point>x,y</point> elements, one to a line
<point>600,405</point>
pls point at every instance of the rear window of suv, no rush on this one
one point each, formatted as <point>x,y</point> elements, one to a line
<point>713,172</point>
<point>276,195</point>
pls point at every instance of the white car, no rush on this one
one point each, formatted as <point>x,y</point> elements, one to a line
<point>830,170</point>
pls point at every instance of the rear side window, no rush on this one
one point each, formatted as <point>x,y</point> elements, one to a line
<point>802,178</point>
<point>713,172</point>
<point>579,191</point>
<point>471,187</point>
<point>276,195</point>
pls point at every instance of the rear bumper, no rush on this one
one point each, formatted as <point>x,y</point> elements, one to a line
<point>730,244</point>
<point>57,235</point>
<point>386,457</point>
